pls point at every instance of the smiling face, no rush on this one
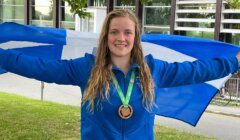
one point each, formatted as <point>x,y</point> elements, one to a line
<point>121,37</point>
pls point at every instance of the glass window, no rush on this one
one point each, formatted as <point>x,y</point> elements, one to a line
<point>124,2</point>
<point>87,24</point>
<point>156,19</point>
<point>197,15</point>
<point>156,30</point>
<point>12,10</point>
<point>209,35</point>
<point>159,3</point>
<point>197,6</point>
<point>232,26</point>
<point>42,13</point>
<point>196,24</point>
<point>127,4</point>
<point>157,16</point>
<point>91,24</point>
<point>232,16</point>
<point>236,39</point>
<point>100,3</point>
<point>67,18</point>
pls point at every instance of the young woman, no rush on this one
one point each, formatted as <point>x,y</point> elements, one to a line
<point>118,83</point>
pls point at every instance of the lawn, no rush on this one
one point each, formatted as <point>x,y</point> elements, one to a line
<point>23,118</point>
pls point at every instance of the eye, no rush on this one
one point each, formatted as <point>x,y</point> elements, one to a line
<point>113,32</point>
<point>128,33</point>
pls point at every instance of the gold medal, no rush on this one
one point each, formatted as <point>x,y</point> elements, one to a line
<point>125,112</point>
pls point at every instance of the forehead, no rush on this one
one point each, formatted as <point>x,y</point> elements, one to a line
<point>121,23</point>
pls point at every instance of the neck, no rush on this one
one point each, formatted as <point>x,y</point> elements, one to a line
<point>122,62</point>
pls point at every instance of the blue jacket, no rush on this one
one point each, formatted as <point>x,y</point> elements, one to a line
<point>105,123</point>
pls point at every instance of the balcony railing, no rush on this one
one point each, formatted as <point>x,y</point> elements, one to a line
<point>201,11</point>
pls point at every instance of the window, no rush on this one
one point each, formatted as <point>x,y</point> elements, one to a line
<point>201,34</point>
<point>42,13</point>
<point>67,18</point>
<point>12,11</point>
<point>156,17</point>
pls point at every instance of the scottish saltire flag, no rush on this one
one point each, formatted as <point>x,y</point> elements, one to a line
<point>185,103</point>
<point>47,43</point>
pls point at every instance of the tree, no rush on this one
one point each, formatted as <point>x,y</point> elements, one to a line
<point>233,4</point>
<point>79,6</point>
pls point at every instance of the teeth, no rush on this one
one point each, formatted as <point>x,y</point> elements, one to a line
<point>120,45</point>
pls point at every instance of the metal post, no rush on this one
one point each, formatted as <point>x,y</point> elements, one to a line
<point>143,20</point>
<point>27,8</point>
<point>1,11</point>
<point>218,16</point>
<point>90,2</point>
<point>173,16</point>
<point>238,95</point>
<point>56,7</point>
<point>109,5</point>
<point>139,11</point>
<point>42,90</point>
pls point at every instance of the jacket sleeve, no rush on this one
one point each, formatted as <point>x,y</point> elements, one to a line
<point>71,72</point>
<point>176,74</point>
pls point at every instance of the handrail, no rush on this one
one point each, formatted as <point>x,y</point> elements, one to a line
<point>195,20</point>
<point>235,21</point>
<point>194,29</point>
<point>158,27</point>
<point>196,2</point>
<point>196,11</point>
<point>231,11</point>
<point>204,20</point>
<point>237,31</point>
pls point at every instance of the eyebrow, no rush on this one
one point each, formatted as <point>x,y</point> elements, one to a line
<point>117,30</point>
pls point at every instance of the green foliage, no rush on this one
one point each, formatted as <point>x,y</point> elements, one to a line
<point>131,2</point>
<point>234,4</point>
<point>78,7</point>
<point>145,1</point>
<point>22,118</point>
<point>161,13</point>
<point>165,133</point>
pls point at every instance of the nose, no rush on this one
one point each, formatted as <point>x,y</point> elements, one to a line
<point>121,37</point>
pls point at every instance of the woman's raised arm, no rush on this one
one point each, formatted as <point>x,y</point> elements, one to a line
<point>176,74</point>
<point>70,72</point>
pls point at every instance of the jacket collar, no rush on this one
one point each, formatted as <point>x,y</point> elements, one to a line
<point>133,66</point>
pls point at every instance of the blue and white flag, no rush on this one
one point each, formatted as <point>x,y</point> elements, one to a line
<point>185,103</point>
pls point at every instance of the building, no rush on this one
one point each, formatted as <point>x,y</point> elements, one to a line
<point>213,19</point>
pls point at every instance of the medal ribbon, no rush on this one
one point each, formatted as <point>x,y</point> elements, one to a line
<point>124,100</point>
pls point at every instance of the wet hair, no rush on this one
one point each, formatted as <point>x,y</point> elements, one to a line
<point>99,81</point>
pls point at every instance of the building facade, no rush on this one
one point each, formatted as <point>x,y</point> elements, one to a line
<point>214,19</point>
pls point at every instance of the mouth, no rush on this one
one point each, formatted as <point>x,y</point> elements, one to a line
<point>120,45</point>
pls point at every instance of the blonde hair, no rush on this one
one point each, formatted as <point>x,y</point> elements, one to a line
<point>99,81</point>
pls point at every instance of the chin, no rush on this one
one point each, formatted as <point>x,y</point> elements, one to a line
<point>121,54</point>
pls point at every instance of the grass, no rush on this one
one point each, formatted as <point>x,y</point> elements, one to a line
<point>23,118</point>
<point>165,133</point>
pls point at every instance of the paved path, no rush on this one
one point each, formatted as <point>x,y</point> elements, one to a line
<point>64,94</point>
<point>221,127</point>
<point>213,125</point>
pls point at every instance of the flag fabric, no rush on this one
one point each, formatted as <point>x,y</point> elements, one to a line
<point>185,103</point>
